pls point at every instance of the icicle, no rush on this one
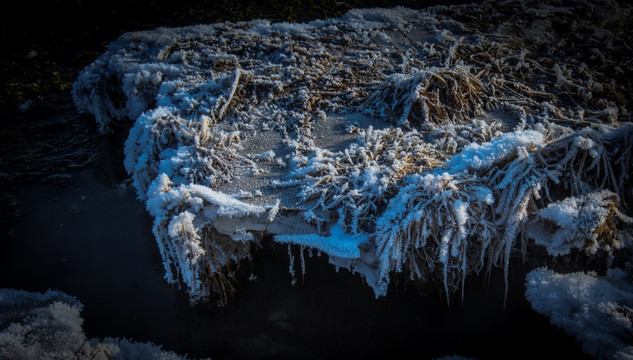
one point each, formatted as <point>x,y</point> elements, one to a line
<point>291,267</point>
<point>303,262</point>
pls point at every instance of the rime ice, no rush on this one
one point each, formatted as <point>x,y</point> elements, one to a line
<point>390,139</point>
<point>594,309</point>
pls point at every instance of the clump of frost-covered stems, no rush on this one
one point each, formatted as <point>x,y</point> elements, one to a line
<point>483,197</point>
<point>483,131</point>
<point>192,250</point>
<point>356,182</point>
<point>49,326</point>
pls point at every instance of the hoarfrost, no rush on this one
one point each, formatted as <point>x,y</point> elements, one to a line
<point>597,310</point>
<point>393,140</point>
<point>49,326</point>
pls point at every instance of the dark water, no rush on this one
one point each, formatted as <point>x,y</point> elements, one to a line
<point>95,242</point>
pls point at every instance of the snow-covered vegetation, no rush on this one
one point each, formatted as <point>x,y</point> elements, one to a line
<point>49,326</point>
<point>435,142</point>
<point>585,222</point>
<point>597,310</point>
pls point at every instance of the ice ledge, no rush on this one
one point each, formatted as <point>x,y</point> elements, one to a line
<point>338,243</point>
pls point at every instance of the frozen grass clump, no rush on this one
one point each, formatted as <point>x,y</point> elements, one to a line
<point>456,219</point>
<point>194,253</point>
<point>597,310</point>
<point>433,96</point>
<point>354,184</point>
<point>586,222</point>
<point>49,326</point>
<point>433,226</point>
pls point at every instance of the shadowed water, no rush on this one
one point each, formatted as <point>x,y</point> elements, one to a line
<point>95,242</point>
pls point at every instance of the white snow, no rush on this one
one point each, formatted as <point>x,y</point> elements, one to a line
<point>576,220</point>
<point>595,309</point>
<point>49,326</point>
<point>482,156</point>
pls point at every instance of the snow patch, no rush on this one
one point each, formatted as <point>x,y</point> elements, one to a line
<point>595,309</point>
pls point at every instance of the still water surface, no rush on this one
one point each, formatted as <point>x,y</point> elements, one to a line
<point>94,241</point>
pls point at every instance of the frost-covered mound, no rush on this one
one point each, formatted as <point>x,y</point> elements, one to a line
<point>48,326</point>
<point>598,310</point>
<point>390,139</point>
